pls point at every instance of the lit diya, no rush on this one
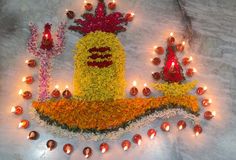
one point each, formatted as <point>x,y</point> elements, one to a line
<point>87,152</point>
<point>33,135</point>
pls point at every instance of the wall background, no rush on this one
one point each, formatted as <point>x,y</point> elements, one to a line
<point>213,48</point>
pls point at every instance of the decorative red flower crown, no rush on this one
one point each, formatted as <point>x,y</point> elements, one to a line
<point>100,21</point>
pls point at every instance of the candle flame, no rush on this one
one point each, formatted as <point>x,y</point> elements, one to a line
<point>139,142</point>
<point>56,86</point>
<point>190,58</point>
<point>132,14</point>
<point>26,61</point>
<point>183,43</point>
<point>172,65</point>
<point>85,2</point>
<point>68,151</point>
<point>213,113</point>
<point>171,34</point>
<point>151,59</point>
<point>67,10</point>
<point>205,88</point>
<point>20,92</point>
<point>21,124</point>
<point>152,136</point>
<point>209,101</point>
<point>67,87</point>
<point>125,148</point>
<point>86,156</point>
<point>103,150</point>
<point>23,79</point>
<point>155,47</point>
<point>197,133</point>
<point>145,84</point>
<point>28,137</point>
<point>180,127</point>
<point>134,83</point>
<point>13,109</point>
<point>194,70</point>
<point>167,128</point>
<point>113,1</point>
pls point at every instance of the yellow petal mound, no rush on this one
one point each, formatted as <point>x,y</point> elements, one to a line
<point>99,67</point>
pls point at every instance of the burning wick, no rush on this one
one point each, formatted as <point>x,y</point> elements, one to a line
<point>206,102</point>
<point>137,138</point>
<point>104,147</point>
<point>134,89</point>
<point>201,90</point>
<point>181,124</point>
<point>197,129</point>
<point>126,145</point>
<point>151,133</point>
<point>165,126</point>
<point>23,124</point>
<point>68,148</point>
<point>17,110</point>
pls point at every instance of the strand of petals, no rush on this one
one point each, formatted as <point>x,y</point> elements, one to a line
<point>44,77</point>
<point>32,42</point>
<point>165,114</point>
<point>58,48</point>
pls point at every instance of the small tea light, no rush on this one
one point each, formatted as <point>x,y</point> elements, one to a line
<point>151,133</point>
<point>51,144</point>
<point>87,152</point>
<point>24,124</point>
<point>197,129</point>
<point>180,47</point>
<point>70,14</point>
<point>156,75</point>
<point>126,144</point>
<point>159,50</point>
<point>156,61</point>
<point>201,90</point>
<point>28,79</point>
<point>68,148</point>
<point>171,39</point>
<point>134,89</point>
<point>187,60</point>
<point>209,115</point>
<point>137,138</point>
<point>112,5</point>
<point>165,126</point>
<point>66,93</point>
<point>56,93</point>
<point>18,110</point>
<point>26,94</point>
<point>206,102</point>
<point>181,125</point>
<point>104,147</point>
<point>33,135</point>
<point>190,72</point>
<point>146,90</point>
<point>31,63</point>
<point>88,6</point>
<point>129,17</point>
